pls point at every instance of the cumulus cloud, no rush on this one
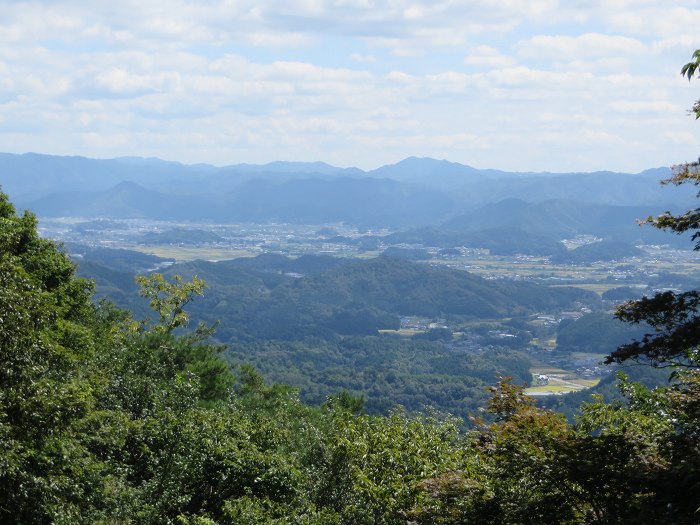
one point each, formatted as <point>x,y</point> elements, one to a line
<point>489,57</point>
<point>357,57</point>
<point>644,106</point>
<point>351,81</point>
<point>587,45</point>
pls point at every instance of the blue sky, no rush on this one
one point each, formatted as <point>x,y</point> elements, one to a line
<point>524,85</point>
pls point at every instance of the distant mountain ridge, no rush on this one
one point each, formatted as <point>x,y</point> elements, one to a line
<point>411,193</point>
<point>32,173</point>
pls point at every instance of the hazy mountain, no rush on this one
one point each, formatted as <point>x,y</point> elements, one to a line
<point>435,172</point>
<point>412,192</point>
<point>313,168</point>
<point>563,218</point>
<point>33,175</point>
<point>356,201</point>
<point>620,189</point>
<point>30,176</point>
<point>472,185</point>
<point>125,200</point>
<point>311,200</point>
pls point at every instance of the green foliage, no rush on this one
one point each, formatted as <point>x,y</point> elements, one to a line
<point>353,298</point>
<point>385,371</point>
<point>619,464</point>
<point>409,254</point>
<point>181,236</point>
<point>47,327</point>
<point>105,420</point>
<point>114,258</point>
<point>169,299</point>
<point>498,240</point>
<point>372,467</point>
<point>622,293</point>
<point>608,389</point>
<point>676,323</point>
<point>689,71</point>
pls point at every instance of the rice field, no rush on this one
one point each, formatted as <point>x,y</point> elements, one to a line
<point>185,254</point>
<point>560,382</point>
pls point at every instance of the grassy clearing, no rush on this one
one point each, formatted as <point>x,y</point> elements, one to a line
<point>560,381</point>
<point>551,389</point>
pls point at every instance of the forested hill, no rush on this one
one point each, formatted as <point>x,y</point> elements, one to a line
<point>597,251</point>
<point>320,331</point>
<point>356,297</point>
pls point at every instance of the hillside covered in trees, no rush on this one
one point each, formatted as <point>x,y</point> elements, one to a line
<point>324,324</point>
<point>260,299</point>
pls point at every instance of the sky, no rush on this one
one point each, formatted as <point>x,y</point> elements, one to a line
<point>518,85</point>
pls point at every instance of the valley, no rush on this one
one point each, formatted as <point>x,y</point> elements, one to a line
<point>535,334</point>
<point>418,283</point>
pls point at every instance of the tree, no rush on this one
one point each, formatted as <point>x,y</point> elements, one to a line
<point>673,480</point>
<point>48,329</point>
<point>168,300</point>
<point>675,317</point>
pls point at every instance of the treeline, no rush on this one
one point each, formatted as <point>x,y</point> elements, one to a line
<point>499,240</point>
<point>598,251</point>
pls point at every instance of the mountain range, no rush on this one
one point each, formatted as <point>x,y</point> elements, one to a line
<point>415,192</point>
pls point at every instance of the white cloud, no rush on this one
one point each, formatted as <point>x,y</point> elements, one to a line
<point>682,42</point>
<point>658,20</point>
<point>368,59</point>
<point>488,56</point>
<point>589,45</point>
<point>401,77</point>
<point>644,106</point>
<point>257,80</point>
